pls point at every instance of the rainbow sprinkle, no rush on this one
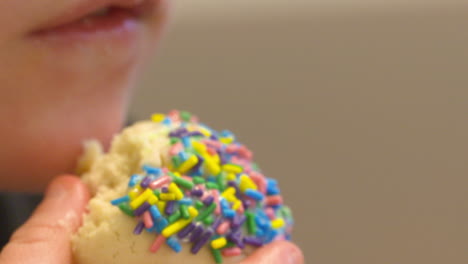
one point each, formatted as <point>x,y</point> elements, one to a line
<point>210,194</point>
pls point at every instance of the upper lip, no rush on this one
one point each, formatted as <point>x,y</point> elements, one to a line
<point>83,8</point>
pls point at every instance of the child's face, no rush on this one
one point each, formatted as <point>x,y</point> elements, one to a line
<point>64,77</point>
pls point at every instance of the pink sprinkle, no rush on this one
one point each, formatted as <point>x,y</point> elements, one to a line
<point>270,213</point>
<point>157,243</point>
<point>174,115</point>
<point>260,181</point>
<point>211,151</point>
<point>223,227</point>
<point>230,252</point>
<point>165,170</point>
<point>245,153</point>
<point>274,200</point>
<point>160,182</point>
<point>147,220</point>
<point>212,144</point>
<point>215,194</point>
<point>176,148</point>
<point>241,209</point>
<point>187,178</point>
<point>205,194</point>
<point>232,148</point>
<point>194,119</point>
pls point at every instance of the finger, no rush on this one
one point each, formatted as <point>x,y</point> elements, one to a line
<point>280,252</point>
<point>45,237</point>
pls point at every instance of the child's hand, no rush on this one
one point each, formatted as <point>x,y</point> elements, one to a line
<point>45,237</point>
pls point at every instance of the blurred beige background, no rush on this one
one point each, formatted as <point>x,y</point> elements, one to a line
<point>359,108</point>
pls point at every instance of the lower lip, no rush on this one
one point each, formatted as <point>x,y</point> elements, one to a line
<point>118,23</point>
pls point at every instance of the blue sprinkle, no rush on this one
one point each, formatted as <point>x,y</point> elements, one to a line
<point>133,180</point>
<point>174,244</point>
<point>152,170</point>
<point>184,156</point>
<point>211,179</point>
<point>120,200</point>
<point>271,235</point>
<point>256,195</point>
<point>224,204</point>
<point>272,190</point>
<point>155,213</point>
<point>167,121</point>
<point>229,213</point>
<point>153,229</point>
<point>161,224</point>
<point>185,201</point>
<point>186,142</point>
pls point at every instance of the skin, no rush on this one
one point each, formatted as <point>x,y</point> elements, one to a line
<point>52,98</point>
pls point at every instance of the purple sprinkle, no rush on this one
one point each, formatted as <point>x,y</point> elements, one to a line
<point>164,190</point>
<point>213,137</point>
<point>238,220</point>
<point>198,165</point>
<point>140,210</point>
<point>196,234</point>
<point>170,207</point>
<point>253,241</point>
<point>139,228</point>
<point>234,184</point>
<point>202,241</point>
<point>184,232</point>
<point>236,238</point>
<point>208,200</point>
<point>217,222</point>
<point>145,182</point>
<point>194,133</point>
<point>179,132</point>
<point>197,192</point>
<point>246,203</point>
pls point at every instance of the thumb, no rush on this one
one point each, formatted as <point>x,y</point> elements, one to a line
<point>280,252</point>
<point>45,237</point>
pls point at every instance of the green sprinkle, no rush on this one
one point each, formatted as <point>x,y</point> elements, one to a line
<point>185,116</point>
<point>212,185</point>
<point>174,140</point>
<point>174,217</point>
<point>198,205</point>
<point>157,192</point>
<point>183,183</point>
<point>217,255</point>
<point>198,180</point>
<point>230,244</point>
<point>221,181</point>
<point>124,207</point>
<point>206,212</point>
<point>208,220</point>
<point>251,225</point>
<point>184,211</point>
<point>176,161</point>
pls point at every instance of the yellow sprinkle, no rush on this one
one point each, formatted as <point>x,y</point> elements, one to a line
<point>236,204</point>
<point>228,192</point>
<point>219,243</point>
<point>188,164</point>
<point>176,191</point>
<point>135,192</point>
<point>212,167</point>
<point>232,168</point>
<point>231,177</point>
<point>226,140</point>
<point>158,118</point>
<point>246,183</point>
<point>167,196</point>
<point>216,159</point>
<point>180,224</point>
<point>141,199</point>
<point>152,199</point>
<point>161,206</point>
<point>230,198</point>
<point>277,223</point>
<point>204,131</point>
<point>176,174</point>
<point>199,147</point>
<point>193,212</point>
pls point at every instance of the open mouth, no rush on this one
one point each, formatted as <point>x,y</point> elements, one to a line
<point>97,19</point>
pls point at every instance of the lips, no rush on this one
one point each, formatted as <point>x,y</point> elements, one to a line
<point>96,16</point>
